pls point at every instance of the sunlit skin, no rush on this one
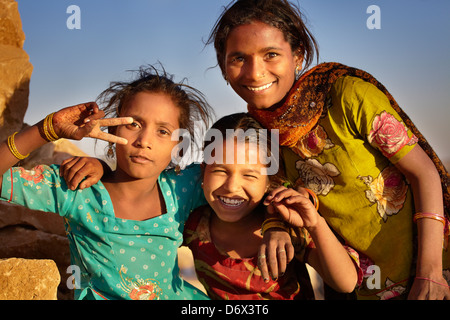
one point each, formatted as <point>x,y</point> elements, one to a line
<point>260,64</point>
<point>233,190</point>
<point>134,184</point>
<point>149,147</point>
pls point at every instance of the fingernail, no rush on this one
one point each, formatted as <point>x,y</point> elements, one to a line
<point>266,280</point>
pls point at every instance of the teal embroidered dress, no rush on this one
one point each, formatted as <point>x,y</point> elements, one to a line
<point>117,258</point>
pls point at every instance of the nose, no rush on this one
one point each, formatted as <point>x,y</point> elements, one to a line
<point>232,183</point>
<point>144,140</point>
<point>254,68</point>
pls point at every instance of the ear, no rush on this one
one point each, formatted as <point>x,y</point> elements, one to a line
<point>298,60</point>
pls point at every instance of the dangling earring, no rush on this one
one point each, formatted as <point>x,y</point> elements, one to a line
<point>110,152</point>
<point>177,169</point>
<point>298,69</point>
<point>226,79</point>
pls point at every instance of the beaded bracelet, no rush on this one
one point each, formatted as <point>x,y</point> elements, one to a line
<point>13,149</point>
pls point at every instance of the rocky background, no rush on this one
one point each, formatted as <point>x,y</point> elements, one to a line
<point>38,238</point>
<point>34,250</point>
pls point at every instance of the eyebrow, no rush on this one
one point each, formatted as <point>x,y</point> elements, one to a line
<point>266,49</point>
<point>160,123</point>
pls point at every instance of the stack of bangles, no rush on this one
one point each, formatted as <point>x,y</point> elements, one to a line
<point>13,149</point>
<point>273,223</point>
<point>49,132</point>
<point>49,135</point>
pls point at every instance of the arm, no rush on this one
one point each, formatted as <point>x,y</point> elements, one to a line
<point>426,187</point>
<point>329,258</point>
<point>72,123</point>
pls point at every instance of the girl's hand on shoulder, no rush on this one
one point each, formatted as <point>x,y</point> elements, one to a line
<point>294,207</point>
<point>81,172</point>
<point>85,120</point>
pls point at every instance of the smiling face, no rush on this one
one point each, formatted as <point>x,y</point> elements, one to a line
<point>260,65</point>
<point>233,190</point>
<point>149,147</point>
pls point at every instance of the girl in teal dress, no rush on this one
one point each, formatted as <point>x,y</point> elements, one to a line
<point>123,231</point>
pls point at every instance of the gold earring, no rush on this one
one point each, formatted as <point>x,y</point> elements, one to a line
<point>110,152</point>
<point>298,69</point>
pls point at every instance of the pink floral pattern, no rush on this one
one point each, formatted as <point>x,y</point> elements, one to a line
<point>35,175</point>
<point>388,191</point>
<point>389,135</point>
<point>314,142</point>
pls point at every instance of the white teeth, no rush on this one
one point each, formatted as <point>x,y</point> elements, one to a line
<point>231,202</point>
<point>260,88</point>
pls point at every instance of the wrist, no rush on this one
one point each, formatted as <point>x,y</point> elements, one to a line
<point>320,223</point>
<point>46,129</point>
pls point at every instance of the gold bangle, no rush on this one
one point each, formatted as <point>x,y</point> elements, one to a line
<point>47,127</point>
<point>13,149</point>
<point>273,223</point>
<point>50,126</point>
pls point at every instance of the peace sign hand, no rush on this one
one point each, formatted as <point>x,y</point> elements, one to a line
<point>85,120</point>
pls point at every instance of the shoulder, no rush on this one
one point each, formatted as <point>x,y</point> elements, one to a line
<point>351,90</point>
<point>192,171</point>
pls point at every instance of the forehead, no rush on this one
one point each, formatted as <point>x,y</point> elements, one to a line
<point>256,34</point>
<point>155,105</point>
<point>233,151</point>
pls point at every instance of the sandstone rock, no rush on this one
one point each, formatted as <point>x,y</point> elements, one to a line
<point>34,234</point>
<point>22,279</point>
<point>26,233</point>
<point>15,70</point>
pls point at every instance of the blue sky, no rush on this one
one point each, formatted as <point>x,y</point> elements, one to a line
<point>409,54</point>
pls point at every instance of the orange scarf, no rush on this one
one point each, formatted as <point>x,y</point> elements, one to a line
<point>304,106</point>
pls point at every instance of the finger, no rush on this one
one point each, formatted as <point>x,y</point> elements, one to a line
<point>272,258</point>
<point>284,194</point>
<point>282,261</point>
<point>76,174</point>
<point>273,194</point>
<point>88,181</point>
<point>290,252</point>
<point>262,263</point>
<point>111,122</point>
<point>108,137</point>
<point>64,165</point>
<point>95,115</point>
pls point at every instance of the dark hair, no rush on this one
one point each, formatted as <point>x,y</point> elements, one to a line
<point>280,14</point>
<point>254,133</point>
<point>192,104</point>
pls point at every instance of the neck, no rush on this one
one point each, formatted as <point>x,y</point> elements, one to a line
<point>250,222</point>
<point>130,187</point>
